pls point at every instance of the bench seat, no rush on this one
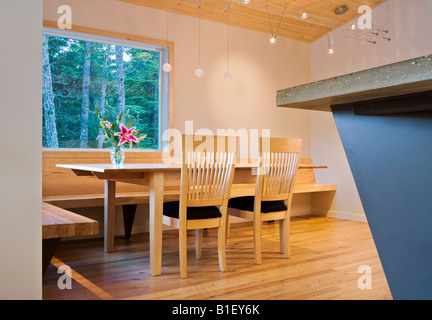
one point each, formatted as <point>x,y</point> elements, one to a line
<point>249,189</point>
<point>97,199</point>
<point>128,198</point>
<point>313,187</point>
<point>58,223</point>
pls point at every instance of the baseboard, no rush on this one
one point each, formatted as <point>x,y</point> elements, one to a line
<point>301,212</point>
<point>360,217</point>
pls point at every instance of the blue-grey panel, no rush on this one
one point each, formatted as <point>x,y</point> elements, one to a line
<point>391,160</point>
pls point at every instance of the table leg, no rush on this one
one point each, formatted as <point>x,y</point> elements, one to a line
<point>109,215</point>
<point>156,183</point>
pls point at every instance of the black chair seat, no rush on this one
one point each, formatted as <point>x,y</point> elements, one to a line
<point>171,209</point>
<point>247,204</point>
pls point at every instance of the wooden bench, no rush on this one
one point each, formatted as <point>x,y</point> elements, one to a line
<point>63,189</point>
<point>128,201</point>
<point>58,223</point>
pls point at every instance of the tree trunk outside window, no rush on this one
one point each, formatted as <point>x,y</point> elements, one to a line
<point>120,90</point>
<point>48,99</point>
<point>85,96</point>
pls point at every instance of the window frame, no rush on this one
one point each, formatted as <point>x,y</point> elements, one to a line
<point>166,49</point>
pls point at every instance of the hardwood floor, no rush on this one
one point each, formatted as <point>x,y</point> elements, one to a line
<point>325,256</point>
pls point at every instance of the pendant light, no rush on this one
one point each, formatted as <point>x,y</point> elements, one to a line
<point>166,67</point>
<point>199,72</point>
<point>228,74</point>
<point>330,44</point>
<point>274,35</point>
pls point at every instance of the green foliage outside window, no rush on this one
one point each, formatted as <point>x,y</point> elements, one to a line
<point>82,75</point>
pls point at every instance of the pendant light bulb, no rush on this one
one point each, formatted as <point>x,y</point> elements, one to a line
<point>199,72</point>
<point>228,75</point>
<point>166,67</point>
<point>331,51</point>
<point>273,39</point>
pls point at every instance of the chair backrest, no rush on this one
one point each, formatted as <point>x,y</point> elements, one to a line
<point>279,158</point>
<point>207,169</point>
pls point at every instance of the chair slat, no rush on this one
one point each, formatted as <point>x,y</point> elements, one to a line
<point>208,173</point>
<point>280,168</point>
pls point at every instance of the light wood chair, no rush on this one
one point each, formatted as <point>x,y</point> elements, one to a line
<point>279,158</point>
<point>207,172</point>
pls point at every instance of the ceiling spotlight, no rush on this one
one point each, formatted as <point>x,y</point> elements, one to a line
<point>341,10</point>
<point>245,1</point>
<point>304,15</point>
<point>273,39</point>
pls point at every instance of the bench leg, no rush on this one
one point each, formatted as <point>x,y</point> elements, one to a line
<point>49,247</point>
<point>128,218</point>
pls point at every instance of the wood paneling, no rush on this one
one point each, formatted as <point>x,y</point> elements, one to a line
<point>257,13</point>
<point>326,255</point>
<point>60,182</point>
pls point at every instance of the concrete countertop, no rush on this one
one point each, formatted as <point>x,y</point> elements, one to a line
<point>401,78</point>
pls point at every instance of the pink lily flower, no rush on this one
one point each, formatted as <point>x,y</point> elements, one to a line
<point>108,124</point>
<point>126,135</point>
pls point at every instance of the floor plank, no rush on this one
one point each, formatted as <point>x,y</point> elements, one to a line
<point>325,256</point>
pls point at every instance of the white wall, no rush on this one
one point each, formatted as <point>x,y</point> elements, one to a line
<point>410,27</point>
<point>20,161</point>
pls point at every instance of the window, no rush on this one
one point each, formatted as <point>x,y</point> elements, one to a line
<point>83,72</point>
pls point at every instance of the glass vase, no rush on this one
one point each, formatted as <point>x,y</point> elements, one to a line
<point>117,156</point>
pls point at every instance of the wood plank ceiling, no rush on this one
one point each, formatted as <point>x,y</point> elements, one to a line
<point>265,15</point>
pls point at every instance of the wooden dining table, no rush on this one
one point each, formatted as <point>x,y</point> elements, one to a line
<point>158,177</point>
